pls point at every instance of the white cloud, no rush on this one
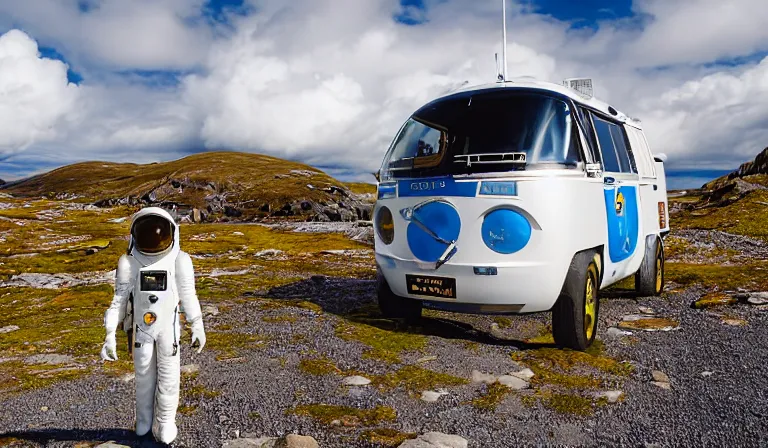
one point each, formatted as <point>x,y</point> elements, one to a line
<point>35,96</point>
<point>329,82</point>
<point>136,34</point>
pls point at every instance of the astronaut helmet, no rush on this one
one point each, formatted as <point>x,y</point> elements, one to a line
<point>154,232</point>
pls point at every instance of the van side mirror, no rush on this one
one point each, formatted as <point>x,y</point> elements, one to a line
<point>593,169</point>
<point>660,157</point>
<point>377,175</point>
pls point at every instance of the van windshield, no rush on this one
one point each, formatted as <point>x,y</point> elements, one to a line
<point>483,133</point>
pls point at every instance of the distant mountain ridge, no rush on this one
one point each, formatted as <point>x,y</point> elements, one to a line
<point>209,186</point>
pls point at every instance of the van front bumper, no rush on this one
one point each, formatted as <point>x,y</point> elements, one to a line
<point>516,287</point>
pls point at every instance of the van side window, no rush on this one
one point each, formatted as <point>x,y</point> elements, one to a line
<point>591,144</point>
<point>613,147</point>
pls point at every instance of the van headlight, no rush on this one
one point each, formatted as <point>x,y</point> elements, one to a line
<point>385,225</point>
<point>506,231</point>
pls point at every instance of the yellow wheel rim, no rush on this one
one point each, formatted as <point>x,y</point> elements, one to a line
<point>590,306</point>
<point>659,272</point>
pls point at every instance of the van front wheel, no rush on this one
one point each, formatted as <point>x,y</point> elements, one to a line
<point>393,306</point>
<point>574,316</point>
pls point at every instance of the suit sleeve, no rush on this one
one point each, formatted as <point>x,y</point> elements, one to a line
<point>185,282</point>
<point>124,279</point>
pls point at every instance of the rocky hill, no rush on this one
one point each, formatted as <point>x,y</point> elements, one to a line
<point>213,186</point>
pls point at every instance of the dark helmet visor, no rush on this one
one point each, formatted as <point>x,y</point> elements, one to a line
<point>152,234</point>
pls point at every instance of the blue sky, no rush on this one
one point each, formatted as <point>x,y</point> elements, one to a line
<point>316,80</point>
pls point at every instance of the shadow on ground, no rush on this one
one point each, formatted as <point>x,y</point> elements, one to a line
<point>355,300</point>
<point>44,437</point>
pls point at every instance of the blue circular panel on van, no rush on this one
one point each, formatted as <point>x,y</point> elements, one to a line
<point>440,218</point>
<point>506,231</point>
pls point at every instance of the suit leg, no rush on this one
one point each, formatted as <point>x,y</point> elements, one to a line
<point>167,396</point>
<point>144,365</point>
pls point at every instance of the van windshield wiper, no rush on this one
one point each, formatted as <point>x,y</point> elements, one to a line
<point>409,214</point>
<point>491,158</point>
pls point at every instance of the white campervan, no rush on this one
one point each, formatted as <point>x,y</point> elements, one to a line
<point>518,197</point>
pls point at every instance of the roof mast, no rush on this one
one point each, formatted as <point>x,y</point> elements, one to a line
<point>504,40</point>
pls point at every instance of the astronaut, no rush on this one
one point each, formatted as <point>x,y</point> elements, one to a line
<point>153,278</point>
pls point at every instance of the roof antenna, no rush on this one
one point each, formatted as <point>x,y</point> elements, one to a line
<point>504,39</point>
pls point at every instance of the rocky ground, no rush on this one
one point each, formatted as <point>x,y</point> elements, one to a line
<point>295,345</point>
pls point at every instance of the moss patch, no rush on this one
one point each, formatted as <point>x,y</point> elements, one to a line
<point>744,217</point>
<point>714,300</point>
<point>752,276</point>
<point>279,319</point>
<point>326,414</point>
<point>570,404</point>
<point>493,396</point>
<point>319,366</point>
<point>233,344</point>
<point>385,345</point>
<point>561,375</point>
<point>386,437</point>
<point>651,324</point>
<point>416,379</point>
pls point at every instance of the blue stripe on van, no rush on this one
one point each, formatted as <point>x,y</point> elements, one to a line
<point>436,186</point>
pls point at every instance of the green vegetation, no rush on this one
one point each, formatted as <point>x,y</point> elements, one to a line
<point>415,379</point>
<point>232,344</point>
<point>318,366</point>
<point>565,380</point>
<point>746,216</point>
<point>348,416</point>
<point>752,276</point>
<point>493,396</point>
<point>385,437</point>
<point>385,345</point>
<point>714,300</point>
<point>654,323</point>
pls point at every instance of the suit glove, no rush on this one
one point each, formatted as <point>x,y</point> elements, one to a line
<point>198,334</point>
<point>109,350</point>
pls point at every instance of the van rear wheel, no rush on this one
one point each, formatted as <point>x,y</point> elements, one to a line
<point>649,280</point>
<point>574,316</point>
<point>393,306</point>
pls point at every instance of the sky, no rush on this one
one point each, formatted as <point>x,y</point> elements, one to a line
<point>330,82</point>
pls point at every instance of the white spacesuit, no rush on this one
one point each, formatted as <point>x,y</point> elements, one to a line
<point>152,278</point>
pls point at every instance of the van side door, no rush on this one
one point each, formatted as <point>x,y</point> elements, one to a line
<point>622,200</point>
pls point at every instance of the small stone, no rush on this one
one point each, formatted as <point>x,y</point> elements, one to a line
<point>646,310</point>
<point>262,442</point>
<point>612,395</point>
<point>210,310</point>
<point>111,444</point>
<point>296,441</point>
<point>128,377</point>
<point>480,377</point>
<point>356,380</point>
<point>336,422</point>
<point>426,359</point>
<point>52,358</point>
<point>525,374</point>
<point>223,419</point>
<point>190,368</point>
<point>735,322</point>
<point>651,445</point>
<point>44,408</point>
<point>238,233</point>
<point>513,382</point>
<point>707,373</point>
<point>8,329</point>
<point>350,421</point>
<point>435,440</point>
<point>757,301</point>
<point>633,317</point>
<point>666,386</point>
<point>761,307</point>
<point>432,396</point>
<point>615,332</point>
<point>660,376</point>
<point>237,433</point>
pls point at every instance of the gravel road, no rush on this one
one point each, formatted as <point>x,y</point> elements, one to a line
<point>717,372</point>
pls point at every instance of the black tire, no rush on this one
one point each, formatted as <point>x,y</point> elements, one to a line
<point>649,280</point>
<point>395,307</point>
<point>572,326</point>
